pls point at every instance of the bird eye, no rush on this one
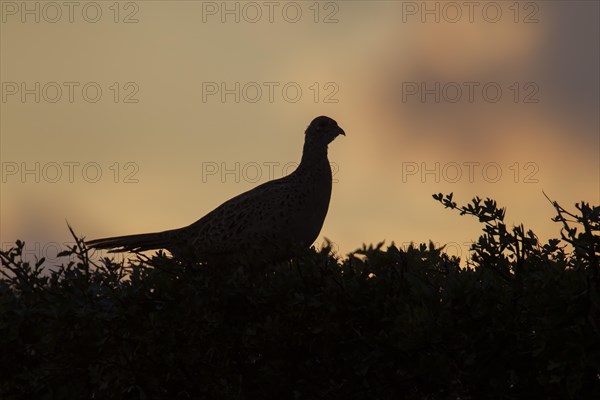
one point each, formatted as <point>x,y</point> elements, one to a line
<point>323,123</point>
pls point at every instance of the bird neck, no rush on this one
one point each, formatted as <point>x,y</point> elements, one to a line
<point>314,156</point>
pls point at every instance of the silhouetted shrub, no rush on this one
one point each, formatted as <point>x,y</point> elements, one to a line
<point>521,320</point>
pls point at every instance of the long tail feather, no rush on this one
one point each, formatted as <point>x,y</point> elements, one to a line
<point>135,243</point>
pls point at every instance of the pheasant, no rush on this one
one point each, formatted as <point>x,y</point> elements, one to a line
<point>274,221</point>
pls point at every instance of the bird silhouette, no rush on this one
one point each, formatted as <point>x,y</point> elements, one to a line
<point>274,221</point>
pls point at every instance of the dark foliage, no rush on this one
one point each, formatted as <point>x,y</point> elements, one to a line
<point>521,320</point>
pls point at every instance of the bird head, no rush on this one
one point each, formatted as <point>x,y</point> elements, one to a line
<point>322,130</point>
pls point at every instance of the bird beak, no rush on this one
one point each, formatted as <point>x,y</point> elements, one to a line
<point>341,131</point>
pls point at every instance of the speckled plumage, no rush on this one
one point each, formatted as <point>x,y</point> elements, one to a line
<point>274,221</point>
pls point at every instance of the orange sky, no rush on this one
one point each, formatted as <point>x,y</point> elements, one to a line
<point>146,116</point>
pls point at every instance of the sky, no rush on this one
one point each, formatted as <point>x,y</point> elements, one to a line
<point>141,116</point>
